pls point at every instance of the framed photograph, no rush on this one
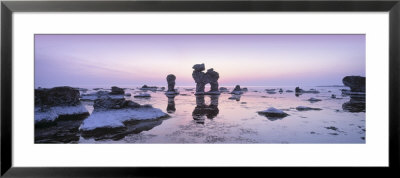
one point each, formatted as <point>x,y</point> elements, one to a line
<point>171,84</point>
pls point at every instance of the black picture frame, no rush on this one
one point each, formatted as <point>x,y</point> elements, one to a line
<point>8,7</point>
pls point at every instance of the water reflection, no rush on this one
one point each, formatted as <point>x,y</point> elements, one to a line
<point>202,110</point>
<point>63,130</point>
<point>356,104</point>
<point>171,104</point>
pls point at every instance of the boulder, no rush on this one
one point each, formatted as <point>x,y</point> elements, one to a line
<point>273,112</point>
<point>116,91</point>
<point>57,96</point>
<point>356,83</point>
<point>56,103</point>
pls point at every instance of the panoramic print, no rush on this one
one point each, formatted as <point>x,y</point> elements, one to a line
<point>200,88</point>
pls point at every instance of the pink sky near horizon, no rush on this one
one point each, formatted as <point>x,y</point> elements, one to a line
<point>253,60</point>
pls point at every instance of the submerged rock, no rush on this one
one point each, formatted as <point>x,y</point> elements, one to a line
<point>142,95</point>
<point>273,113</point>
<point>289,91</point>
<point>356,83</point>
<point>313,100</point>
<point>306,108</point>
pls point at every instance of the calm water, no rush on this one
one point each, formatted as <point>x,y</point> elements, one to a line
<point>217,119</point>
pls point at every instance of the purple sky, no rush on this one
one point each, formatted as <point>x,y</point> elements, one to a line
<point>248,60</point>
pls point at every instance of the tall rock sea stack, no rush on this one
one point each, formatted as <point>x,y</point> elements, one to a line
<point>202,79</point>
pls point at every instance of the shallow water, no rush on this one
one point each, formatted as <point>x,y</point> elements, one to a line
<point>217,119</point>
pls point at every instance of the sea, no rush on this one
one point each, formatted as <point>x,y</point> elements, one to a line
<point>220,119</point>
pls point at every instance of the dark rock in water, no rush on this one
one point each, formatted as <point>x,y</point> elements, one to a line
<point>289,91</point>
<point>298,90</point>
<point>313,100</point>
<point>202,110</point>
<point>152,88</point>
<point>356,104</point>
<point>305,108</point>
<point>333,96</point>
<point>280,90</point>
<point>273,114</point>
<point>57,96</point>
<point>237,90</point>
<point>171,85</point>
<point>356,83</point>
<point>245,89</point>
<point>116,91</point>
<point>106,102</point>
<point>171,82</point>
<point>202,79</point>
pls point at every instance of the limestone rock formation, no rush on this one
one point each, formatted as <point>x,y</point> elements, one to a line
<point>356,83</point>
<point>202,79</point>
<point>171,85</point>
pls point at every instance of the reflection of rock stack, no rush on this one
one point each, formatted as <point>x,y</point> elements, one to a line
<point>202,110</point>
<point>356,93</point>
<point>202,79</point>
<point>171,104</point>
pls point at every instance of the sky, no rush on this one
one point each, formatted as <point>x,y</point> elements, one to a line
<point>247,60</point>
